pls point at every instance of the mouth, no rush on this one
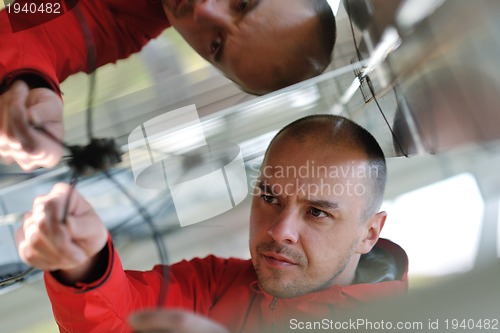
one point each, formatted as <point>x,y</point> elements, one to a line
<point>277,260</point>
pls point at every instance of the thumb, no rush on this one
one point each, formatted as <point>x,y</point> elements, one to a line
<point>87,232</point>
<point>44,106</point>
<point>19,92</point>
<point>81,220</point>
<point>16,125</point>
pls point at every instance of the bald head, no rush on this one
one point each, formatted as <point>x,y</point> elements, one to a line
<point>336,135</point>
<point>295,53</point>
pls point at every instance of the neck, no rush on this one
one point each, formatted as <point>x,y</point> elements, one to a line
<point>349,273</point>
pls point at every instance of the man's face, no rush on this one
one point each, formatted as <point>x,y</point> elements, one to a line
<point>306,224</point>
<point>248,40</point>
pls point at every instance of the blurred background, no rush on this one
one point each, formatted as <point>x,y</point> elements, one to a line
<point>420,75</point>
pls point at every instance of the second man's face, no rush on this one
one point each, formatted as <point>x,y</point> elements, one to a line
<point>253,42</point>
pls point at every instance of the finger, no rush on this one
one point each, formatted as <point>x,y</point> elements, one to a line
<point>78,206</point>
<point>50,224</point>
<point>148,321</point>
<point>6,159</point>
<point>45,109</point>
<point>82,223</point>
<point>47,153</point>
<point>34,241</point>
<point>37,256</point>
<point>40,250</point>
<point>3,103</point>
<point>30,257</point>
<point>178,321</point>
<point>53,205</point>
<point>42,228</point>
<point>88,233</point>
<point>58,195</point>
<point>66,195</point>
<point>17,126</point>
<point>44,260</point>
<point>44,106</point>
<point>34,255</point>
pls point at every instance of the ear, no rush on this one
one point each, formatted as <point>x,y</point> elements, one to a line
<point>372,229</point>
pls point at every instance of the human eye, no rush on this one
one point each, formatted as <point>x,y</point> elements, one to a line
<point>318,213</point>
<point>216,45</point>
<point>269,199</point>
<point>243,4</point>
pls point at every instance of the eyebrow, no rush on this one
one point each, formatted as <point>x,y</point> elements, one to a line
<point>325,204</point>
<point>220,53</point>
<point>265,188</point>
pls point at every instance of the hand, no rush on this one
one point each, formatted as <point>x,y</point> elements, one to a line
<point>173,321</point>
<point>46,243</point>
<point>21,109</point>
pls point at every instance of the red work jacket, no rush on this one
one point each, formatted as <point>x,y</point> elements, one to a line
<point>225,290</point>
<point>58,48</point>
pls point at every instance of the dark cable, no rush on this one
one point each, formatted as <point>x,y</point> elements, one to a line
<point>370,85</point>
<point>91,60</point>
<point>16,278</point>
<point>162,251</point>
<point>72,183</point>
<point>51,136</point>
<point>108,159</point>
<point>372,91</point>
<point>346,3</point>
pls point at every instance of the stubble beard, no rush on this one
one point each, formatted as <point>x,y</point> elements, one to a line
<point>272,282</point>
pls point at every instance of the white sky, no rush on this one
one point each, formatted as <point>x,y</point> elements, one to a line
<point>438,225</point>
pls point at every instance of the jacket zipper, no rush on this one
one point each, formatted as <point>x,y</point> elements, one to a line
<point>272,307</point>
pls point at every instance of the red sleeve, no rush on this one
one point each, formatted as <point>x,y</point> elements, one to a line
<point>105,305</point>
<point>57,48</point>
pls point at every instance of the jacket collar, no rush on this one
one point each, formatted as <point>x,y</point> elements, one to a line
<point>380,273</point>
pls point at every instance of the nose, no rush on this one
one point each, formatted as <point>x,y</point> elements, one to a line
<point>212,12</point>
<point>286,228</point>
